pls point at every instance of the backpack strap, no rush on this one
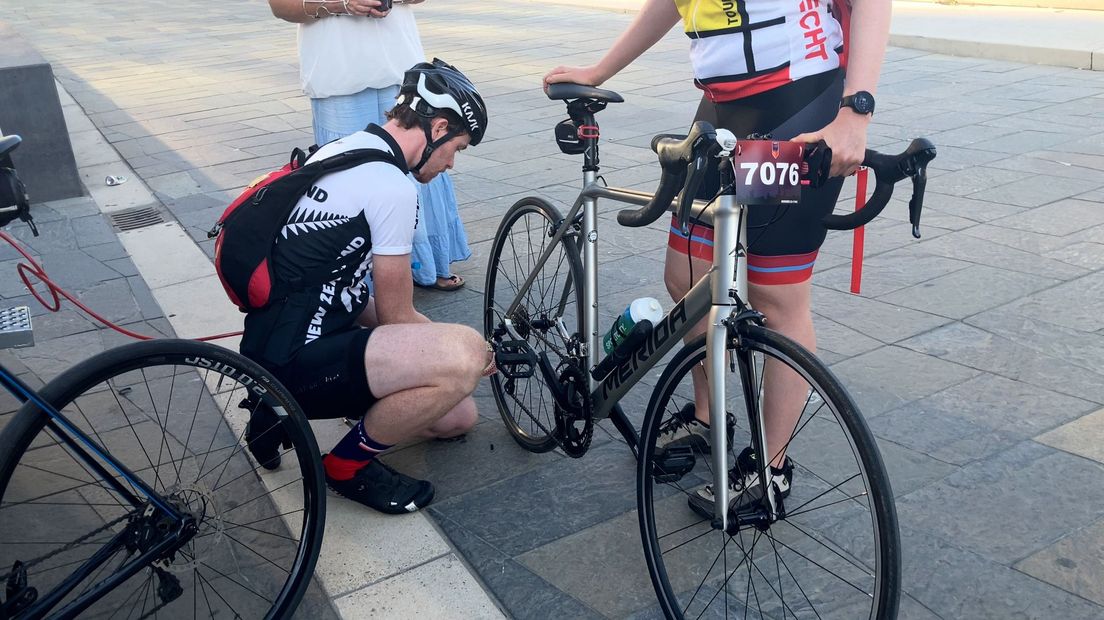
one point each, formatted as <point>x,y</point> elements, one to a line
<point>354,158</point>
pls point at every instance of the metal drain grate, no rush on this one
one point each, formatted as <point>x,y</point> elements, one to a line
<point>133,219</point>
<point>15,327</point>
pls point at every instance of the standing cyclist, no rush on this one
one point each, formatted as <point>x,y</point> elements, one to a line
<point>766,67</point>
<point>342,353</point>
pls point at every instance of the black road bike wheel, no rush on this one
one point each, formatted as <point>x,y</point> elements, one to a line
<point>169,411</point>
<point>835,553</point>
<point>549,318</point>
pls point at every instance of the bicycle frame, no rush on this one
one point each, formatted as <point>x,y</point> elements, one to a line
<point>714,296</point>
<point>80,445</point>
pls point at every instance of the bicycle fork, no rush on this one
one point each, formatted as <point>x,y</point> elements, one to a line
<point>730,231</point>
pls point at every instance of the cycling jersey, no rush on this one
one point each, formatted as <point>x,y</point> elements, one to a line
<point>346,218</point>
<point>740,48</point>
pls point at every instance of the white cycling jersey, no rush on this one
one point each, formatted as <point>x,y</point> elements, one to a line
<point>346,218</point>
<point>741,48</point>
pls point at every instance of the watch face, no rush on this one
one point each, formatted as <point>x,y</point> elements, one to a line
<point>863,102</point>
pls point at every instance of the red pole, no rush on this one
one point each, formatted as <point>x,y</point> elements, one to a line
<point>860,234</point>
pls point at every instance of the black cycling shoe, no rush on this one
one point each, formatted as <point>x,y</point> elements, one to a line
<point>264,435</point>
<point>697,433</point>
<point>378,486</point>
<point>743,485</point>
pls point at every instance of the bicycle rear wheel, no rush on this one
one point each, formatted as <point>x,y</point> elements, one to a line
<point>835,552</point>
<point>549,318</point>
<point>169,411</point>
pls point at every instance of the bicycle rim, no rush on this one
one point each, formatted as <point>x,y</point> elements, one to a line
<point>525,404</point>
<point>834,554</point>
<point>168,410</point>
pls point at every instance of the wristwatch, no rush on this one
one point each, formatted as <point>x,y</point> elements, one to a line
<point>861,102</point>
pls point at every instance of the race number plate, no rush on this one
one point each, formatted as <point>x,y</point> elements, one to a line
<point>768,172</point>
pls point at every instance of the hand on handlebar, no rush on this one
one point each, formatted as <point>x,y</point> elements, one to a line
<point>846,136</point>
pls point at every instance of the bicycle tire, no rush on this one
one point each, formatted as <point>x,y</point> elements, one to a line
<point>115,397</point>
<point>526,405</point>
<point>831,523</point>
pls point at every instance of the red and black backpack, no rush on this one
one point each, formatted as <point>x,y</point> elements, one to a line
<point>248,229</point>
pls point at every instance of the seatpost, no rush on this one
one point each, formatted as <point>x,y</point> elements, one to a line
<point>589,132</point>
<point>727,244</point>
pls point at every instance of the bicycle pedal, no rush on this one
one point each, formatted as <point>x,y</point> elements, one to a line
<point>671,464</point>
<point>515,359</point>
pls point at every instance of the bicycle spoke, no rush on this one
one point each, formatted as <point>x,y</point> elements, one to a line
<point>234,581</point>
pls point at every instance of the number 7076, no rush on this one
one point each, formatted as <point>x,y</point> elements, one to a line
<point>777,173</point>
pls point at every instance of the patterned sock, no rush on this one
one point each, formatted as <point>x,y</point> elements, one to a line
<point>355,450</point>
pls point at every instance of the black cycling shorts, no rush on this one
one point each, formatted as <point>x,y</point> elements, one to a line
<point>327,377</point>
<point>783,240</point>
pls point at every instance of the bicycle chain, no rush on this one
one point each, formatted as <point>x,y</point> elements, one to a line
<point>574,441</point>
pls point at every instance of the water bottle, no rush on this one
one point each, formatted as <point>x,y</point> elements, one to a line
<point>638,310</point>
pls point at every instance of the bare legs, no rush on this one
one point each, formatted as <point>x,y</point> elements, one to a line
<point>423,375</point>
<point>788,311</point>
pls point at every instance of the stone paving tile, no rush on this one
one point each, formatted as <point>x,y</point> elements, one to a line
<point>1042,334</point>
<point>892,271</point>
<point>977,418</point>
<point>944,296</point>
<point>1075,564</point>
<point>837,338</point>
<point>883,322</point>
<point>957,583</point>
<point>1054,305</point>
<point>983,350</point>
<point>963,246</point>
<point>968,208</point>
<point>891,376</point>
<point>601,565</point>
<point>1059,218</point>
<point>998,502</point>
<point>1080,437</point>
<point>1038,190</point>
<point>1085,254</point>
<point>503,512</point>
<point>908,469</point>
<point>521,592</point>
<point>487,455</point>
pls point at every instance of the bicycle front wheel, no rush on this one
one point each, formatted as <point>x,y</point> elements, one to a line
<point>833,553</point>
<point>548,320</point>
<point>171,412</point>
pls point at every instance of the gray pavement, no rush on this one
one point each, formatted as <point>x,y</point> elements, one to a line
<point>975,353</point>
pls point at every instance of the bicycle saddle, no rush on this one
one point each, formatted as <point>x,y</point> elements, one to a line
<point>8,144</point>
<point>565,91</point>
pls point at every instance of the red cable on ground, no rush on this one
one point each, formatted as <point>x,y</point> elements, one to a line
<point>35,270</point>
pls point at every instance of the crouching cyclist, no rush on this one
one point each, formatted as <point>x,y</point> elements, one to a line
<point>343,353</point>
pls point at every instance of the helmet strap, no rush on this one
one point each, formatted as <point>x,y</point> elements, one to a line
<point>431,145</point>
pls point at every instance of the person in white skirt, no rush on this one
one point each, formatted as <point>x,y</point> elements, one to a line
<point>352,56</point>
